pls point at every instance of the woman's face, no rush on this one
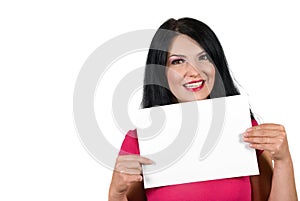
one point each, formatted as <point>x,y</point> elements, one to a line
<point>190,73</point>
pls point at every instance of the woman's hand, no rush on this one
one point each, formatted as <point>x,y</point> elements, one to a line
<point>128,170</point>
<point>271,138</point>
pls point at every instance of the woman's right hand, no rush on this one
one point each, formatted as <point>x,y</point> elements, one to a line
<point>128,170</point>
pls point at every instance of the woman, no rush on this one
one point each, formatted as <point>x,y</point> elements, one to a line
<point>189,64</point>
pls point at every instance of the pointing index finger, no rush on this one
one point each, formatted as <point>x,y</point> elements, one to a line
<point>144,160</point>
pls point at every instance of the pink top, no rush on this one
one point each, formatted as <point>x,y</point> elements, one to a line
<point>231,189</point>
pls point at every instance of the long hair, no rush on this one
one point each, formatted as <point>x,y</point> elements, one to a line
<point>156,90</point>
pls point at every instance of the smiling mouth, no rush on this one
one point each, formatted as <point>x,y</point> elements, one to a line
<point>194,85</point>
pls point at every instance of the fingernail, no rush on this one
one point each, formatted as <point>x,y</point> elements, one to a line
<point>246,134</point>
<point>249,129</point>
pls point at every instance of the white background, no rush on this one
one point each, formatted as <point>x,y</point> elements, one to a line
<point>43,46</point>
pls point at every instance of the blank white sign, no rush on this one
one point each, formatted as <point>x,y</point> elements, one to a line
<point>196,141</point>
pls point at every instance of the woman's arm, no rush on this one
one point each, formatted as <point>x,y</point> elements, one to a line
<point>261,184</point>
<point>283,183</point>
<point>272,138</point>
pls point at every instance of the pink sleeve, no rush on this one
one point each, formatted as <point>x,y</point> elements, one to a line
<point>258,152</point>
<point>254,122</point>
<point>130,144</point>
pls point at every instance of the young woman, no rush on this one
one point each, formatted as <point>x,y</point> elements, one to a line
<point>187,63</point>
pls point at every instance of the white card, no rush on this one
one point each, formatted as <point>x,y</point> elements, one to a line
<point>196,141</point>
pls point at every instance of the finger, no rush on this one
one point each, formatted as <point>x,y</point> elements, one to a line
<point>144,160</point>
<point>129,171</point>
<point>132,165</point>
<point>263,133</point>
<point>260,140</point>
<point>128,165</point>
<point>265,147</point>
<point>272,148</point>
<point>267,126</point>
<point>129,178</point>
<point>140,159</point>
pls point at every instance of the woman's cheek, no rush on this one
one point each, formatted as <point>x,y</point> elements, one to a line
<point>173,77</point>
<point>211,75</point>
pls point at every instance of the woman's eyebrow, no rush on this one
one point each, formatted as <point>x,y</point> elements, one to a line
<point>181,55</point>
<point>177,55</point>
<point>201,53</point>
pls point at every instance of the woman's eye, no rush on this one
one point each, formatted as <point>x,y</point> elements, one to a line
<point>203,57</point>
<point>177,61</point>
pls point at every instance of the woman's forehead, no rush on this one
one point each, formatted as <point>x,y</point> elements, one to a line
<point>183,44</point>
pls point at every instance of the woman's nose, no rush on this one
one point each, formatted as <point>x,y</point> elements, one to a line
<point>191,70</point>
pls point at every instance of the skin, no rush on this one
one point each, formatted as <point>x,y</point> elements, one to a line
<point>126,181</point>
<point>187,62</point>
<point>279,184</point>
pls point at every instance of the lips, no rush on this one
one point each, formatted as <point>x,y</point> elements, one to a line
<point>194,85</point>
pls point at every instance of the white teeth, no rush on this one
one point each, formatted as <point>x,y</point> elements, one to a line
<point>194,85</point>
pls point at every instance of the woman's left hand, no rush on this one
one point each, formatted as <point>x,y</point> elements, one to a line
<point>269,137</point>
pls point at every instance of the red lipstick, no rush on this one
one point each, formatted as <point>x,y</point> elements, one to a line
<point>194,86</point>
